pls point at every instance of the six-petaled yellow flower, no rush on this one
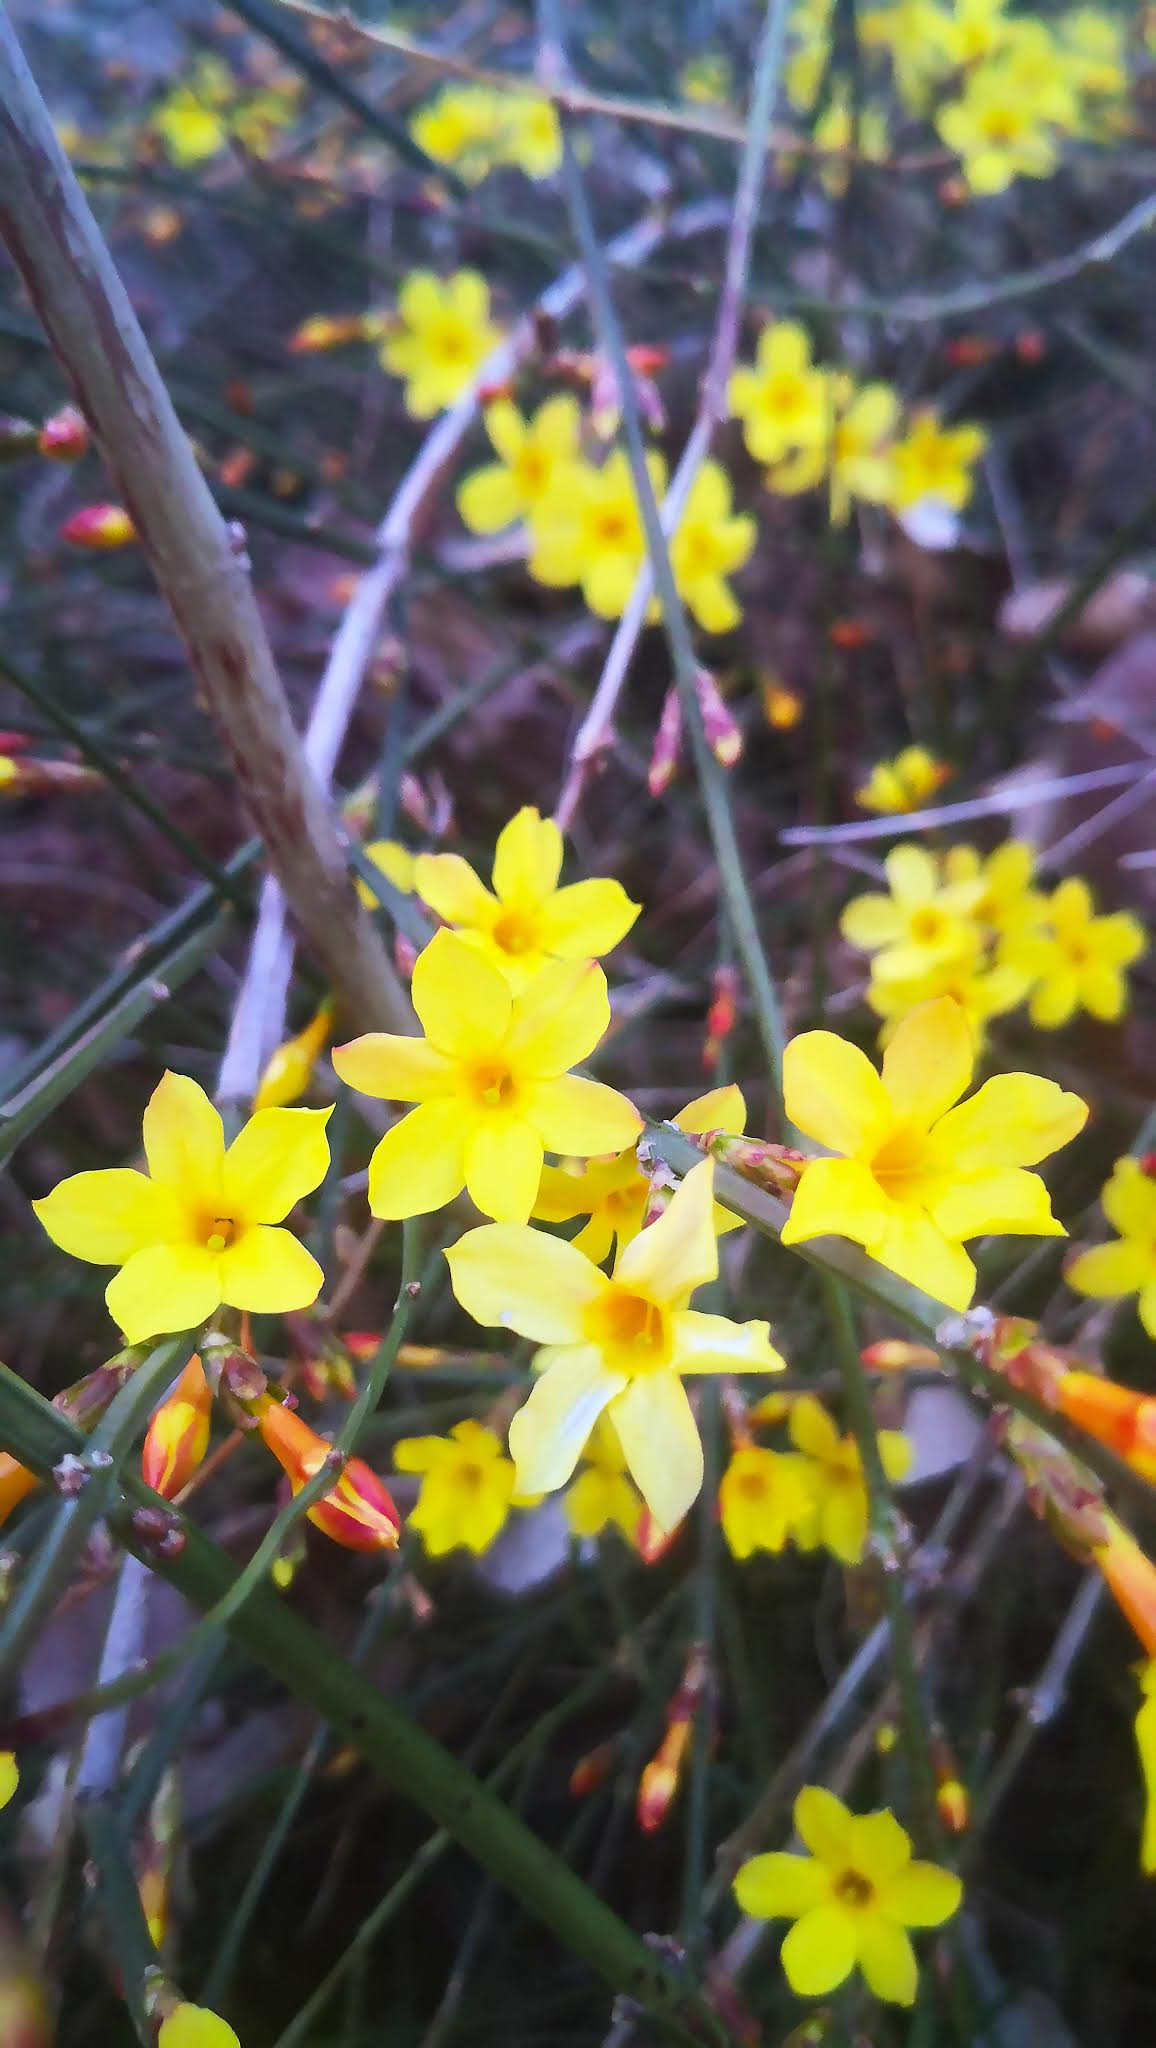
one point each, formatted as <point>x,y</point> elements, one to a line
<point>918,1170</point>
<point>782,400</point>
<point>534,457</point>
<point>492,1082</point>
<point>602,1495</point>
<point>467,1487</point>
<point>617,1345</point>
<point>443,336</point>
<point>198,1229</point>
<point>832,1474</point>
<point>1127,1264</point>
<point>852,1899</point>
<point>590,532</point>
<point>526,921</point>
<point>1077,962</point>
<point>763,1498</point>
<point>709,543</point>
<point>904,784</point>
<point>613,1193</point>
<point>922,922</point>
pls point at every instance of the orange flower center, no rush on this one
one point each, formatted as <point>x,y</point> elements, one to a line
<point>530,470</point>
<point>853,1889</point>
<point>612,529</point>
<point>217,1232</point>
<point>752,1485</point>
<point>470,1476</point>
<point>516,931</point>
<point>928,925</point>
<point>900,1165</point>
<point>632,1331</point>
<point>493,1086</point>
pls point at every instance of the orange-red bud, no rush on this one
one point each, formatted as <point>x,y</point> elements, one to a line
<point>359,1512</point>
<point>953,1805</point>
<point>64,437</point>
<point>1116,1416</point>
<point>324,331</point>
<point>592,1770</point>
<point>178,1435</point>
<point>724,736</point>
<point>892,1354</point>
<point>22,775</point>
<point>849,634</point>
<point>1130,1577</point>
<point>782,708</point>
<point>100,528</point>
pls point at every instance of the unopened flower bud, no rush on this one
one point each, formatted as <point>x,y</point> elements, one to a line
<point>893,1354</point>
<point>782,708</point>
<point>290,1068</point>
<point>64,437</point>
<point>100,528</point>
<point>328,330</point>
<point>723,734</point>
<point>592,1770</point>
<point>777,1168</point>
<point>178,1435</point>
<point>953,1805</point>
<point>667,745</point>
<point>1114,1415</point>
<point>359,1512</point>
<point>1130,1577</point>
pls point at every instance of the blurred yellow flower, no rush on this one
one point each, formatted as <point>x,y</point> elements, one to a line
<point>1008,903</point>
<point>853,455</point>
<point>397,864</point>
<point>492,1082</point>
<point>997,132</point>
<point>836,130</point>
<point>1127,1264</point>
<point>905,784</point>
<point>783,401</point>
<point>1094,45</point>
<point>935,462</point>
<point>535,456</point>
<point>467,1487</point>
<point>527,920</point>
<point>290,1067</point>
<point>602,1496</point>
<point>618,1345</point>
<point>831,1470</point>
<point>442,338</point>
<point>589,532</point>
<point>922,922</point>
<point>981,990</point>
<point>852,1899</point>
<point>197,1230</point>
<point>763,1497</point>
<point>613,1193</point>
<point>709,543</point>
<point>917,1171</point>
<point>908,30</point>
<point>1077,960</point>
<point>194,2026</point>
<point>969,32</point>
<point>474,128</point>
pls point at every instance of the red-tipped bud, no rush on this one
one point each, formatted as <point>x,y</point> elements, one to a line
<point>178,1435</point>
<point>100,528</point>
<point>723,734</point>
<point>21,775</point>
<point>777,1168</point>
<point>362,1344</point>
<point>64,437</point>
<point>722,1014</point>
<point>953,1805</point>
<point>667,745</point>
<point>592,1770</point>
<point>892,1354</point>
<point>324,331</point>
<point>1116,1416</point>
<point>660,1779</point>
<point>359,1512</point>
<point>1130,1577</point>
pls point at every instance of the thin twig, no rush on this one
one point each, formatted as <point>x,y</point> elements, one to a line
<point>1000,804</point>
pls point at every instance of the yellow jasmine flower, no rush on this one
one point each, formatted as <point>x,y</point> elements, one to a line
<point>492,1082</point>
<point>590,533</point>
<point>618,1345</point>
<point>1008,903</point>
<point>190,121</point>
<point>904,784</point>
<point>917,1170</point>
<point>997,132</point>
<point>527,920</point>
<point>1034,59</point>
<point>290,1067</point>
<point>852,1899</point>
<point>783,401</point>
<point>708,545</point>
<point>602,1496</point>
<point>530,134</point>
<point>614,1193</point>
<point>1095,49</point>
<point>836,130</point>
<point>467,1487</point>
<point>460,128</point>
<point>1078,960</point>
<point>1126,1265</point>
<point>852,454</point>
<point>921,923</point>
<point>194,2026</point>
<point>909,32</point>
<point>832,1472</point>
<point>811,27</point>
<point>397,864</point>
<point>971,31</point>
<point>443,336</point>
<point>763,1496</point>
<point>1146,1745</point>
<point>197,1230</point>
<point>708,80</point>
<point>535,456</point>
<point>9,1776</point>
<point>935,462</point>
<point>980,990</point>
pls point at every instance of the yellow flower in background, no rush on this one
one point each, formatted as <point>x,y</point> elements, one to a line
<point>602,1496</point>
<point>492,1084</point>
<point>290,1067</point>
<point>190,121</point>
<point>535,456</point>
<point>1008,902</point>
<point>198,1229</point>
<point>996,132</point>
<point>1126,1265</point>
<point>616,1345</point>
<point>836,130</point>
<point>614,1193</point>
<point>810,26</point>
<point>905,784</point>
<point>590,533</point>
<point>708,80</point>
<point>782,400</point>
<point>1077,960</point>
<point>971,32</point>
<point>763,1497</point>
<point>530,134</point>
<point>935,462</point>
<point>397,864</point>
<point>709,543</point>
<point>527,920</point>
<point>194,2026</point>
<point>1146,1745</point>
<point>908,31</point>
<point>9,1776</point>
<point>981,990</point>
<point>919,924</point>
<point>832,1474</point>
<point>443,336</point>
<point>852,1899</point>
<point>853,456</point>
<point>917,1170</point>
<point>460,128</point>
<point>1035,61</point>
<point>1094,47</point>
<point>467,1487</point>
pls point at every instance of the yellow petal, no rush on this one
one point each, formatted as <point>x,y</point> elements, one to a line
<point>9,1776</point>
<point>394,861</point>
<point>279,1156</point>
<point>661,1444</point>
<point>266,1271</point>
<point>720,1109</point>
<point>819,1951</point>
<point>395,1069</point>
<point>108,1215</point>
<point>419,1165</point>
<point>886,1959</point>
<point>587,918</point>
<point>1007,1200</point>
<point>833,1093</point>
<point>559,1017</point>
<point>548,1433</point>
<point>420,1453</point>
<point>812,1431</point>
<point>527,858</point>
<point>561,1196</point>
<point>164,1288</point>
<point>879,1847</point>
<point>420,299</point>
<point>912,1247</point>
<point>451,888</point>
<point>869,922</point>
<point>911,875</point>
<point>780,1887</point>
<point>923,1895</point>
<point>184,1139</point>
<point>1013,1120</point>
<point>1129,1200</point>
<point>506,428</point>
<point>843,1520</point>
<point>463,1002</point>
<point>678,1252</point>
<point>194,2026</point>
<point>503,1162</point>
<point>1108,1270</point>
<point>929,1061</point>
<point>823,1823</point>
<point>839,1198</point>
<point>507,1276</point>
<point>489,499</point>
<point>580,1117</point>
<point>705,1343</point>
